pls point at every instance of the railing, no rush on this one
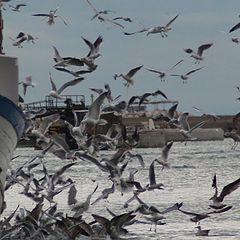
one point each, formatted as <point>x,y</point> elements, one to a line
<point>51,103</point>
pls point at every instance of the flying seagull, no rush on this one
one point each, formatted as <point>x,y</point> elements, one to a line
<point>51,15</point>
<point>198,55</point>
<point>101,15</point>
<point>185,130</point>
<point>218,199</point>
<point>27,83</point>
<point>158,29</point>
<point>128,77</point>
<point>162,74</point>
<point>162,29</point>
<point>56,92</point>
<point>17,7</point>
<point>185,77</point>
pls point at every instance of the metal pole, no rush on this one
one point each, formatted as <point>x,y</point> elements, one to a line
<point>1,34</point>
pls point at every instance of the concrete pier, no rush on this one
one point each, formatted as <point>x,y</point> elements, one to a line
<point>159,137</point>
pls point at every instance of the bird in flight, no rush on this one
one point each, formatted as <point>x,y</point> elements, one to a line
<point>218,199</point>
<point>51,15</point>
<point>56,92</point>
<point>128,76</point>
<point>185,77</point>
<point>198,55</point>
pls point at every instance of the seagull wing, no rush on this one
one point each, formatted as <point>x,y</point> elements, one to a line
<point>41,15</point>
<point>132,99</point>
<point>140,31</point>
<point>94,9</point>
<point>61,170</point>
<point>20,5</point>
<point>158,92</point>
<point>175,65</point>
<point>168,24</point>
<point>57,55</point>
<point>94,109</point>
<point>133,71</point>
<point>203,47</point>
<point>143,97</point>
<point>192,71</point>
<point>176,206</point>
<point>155,71</point>
<point>151,173</point>
<point>98,42</point>
<point>70,83</point>
<point>60,142</point>
<point>172,110</point>
<point>54,88</point>
<point>21,34</point>
<point>90,45</point>
<point>198,125</point>
<point>165,150</point>
<point>234,27</point>
<point>229,189</point>
<point>63,20</point>
<point>47,122</point>
<point>183,121</point>
<point>214,181</point>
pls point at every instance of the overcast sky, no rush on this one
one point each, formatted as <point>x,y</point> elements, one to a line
<point>212,89</point>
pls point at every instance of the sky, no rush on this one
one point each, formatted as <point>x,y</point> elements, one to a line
<point>212,89</point>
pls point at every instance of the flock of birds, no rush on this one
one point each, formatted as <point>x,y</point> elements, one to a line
<point>43,186</point>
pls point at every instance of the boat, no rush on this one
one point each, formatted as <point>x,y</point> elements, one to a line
<point>12,121</point>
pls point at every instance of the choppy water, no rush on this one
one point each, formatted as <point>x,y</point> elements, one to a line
<point>188,180</point>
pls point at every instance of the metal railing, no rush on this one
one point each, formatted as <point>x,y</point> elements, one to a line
<point>51,103</point>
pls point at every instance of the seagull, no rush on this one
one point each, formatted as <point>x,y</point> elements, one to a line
<point>76,207</point>
<point>51,17</point>
<point>208,115</point>
<point>198,55</point>
<point>218,199</point>
<point>94,48</point>
<point>164,155</point>
<point>92,118</point>
<point>98,13</point>
<point>101,18</point>
<point>22,37</point>
<point>56,92</point>
<point>27,83</point>
<point>152,182</point>
<point>158,29</point>
<point>128,76</point>
<point>197,217</point>
<point>185,128</point>
<point>162,30</point>
<point>185,77</point>
<point>162,74</point>
<point>235,136</point>
<point>59,60</point>
<point>105,193</point>
<point>17,7</point>
<point>44,126</point>
<point>114,227</point>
